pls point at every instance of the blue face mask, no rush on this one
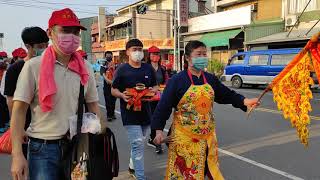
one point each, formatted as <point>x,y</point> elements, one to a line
<point>39,52</point>
<point>199,63</point>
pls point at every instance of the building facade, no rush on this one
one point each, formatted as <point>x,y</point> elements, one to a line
<point>297,26</point>
<point>86,44</point>
<point>233,23</point>
<point>98,34</point>
<point>152,27</point>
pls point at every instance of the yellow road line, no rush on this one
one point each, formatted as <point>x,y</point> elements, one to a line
<point>316,118</point>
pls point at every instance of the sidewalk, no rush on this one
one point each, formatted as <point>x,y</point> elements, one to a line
<point>124,175</point>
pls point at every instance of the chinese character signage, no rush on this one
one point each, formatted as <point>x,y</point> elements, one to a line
<point>119,45</point>
<point>183,12</point>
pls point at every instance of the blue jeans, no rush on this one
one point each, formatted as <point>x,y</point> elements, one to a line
<point>43,161</point>
<point>136,136</point>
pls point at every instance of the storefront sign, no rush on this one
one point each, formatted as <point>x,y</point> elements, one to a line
<point>160,43</point>
<point>183,12</point>
<point>119,45</point>
<point>235,17</point>
<point>116,45</point>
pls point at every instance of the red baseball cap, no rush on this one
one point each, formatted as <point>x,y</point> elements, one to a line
<point>153,49</point>
<point>65,17</point>
<point>3,54</point>
<point>14,53</point>
<point>20,52</point>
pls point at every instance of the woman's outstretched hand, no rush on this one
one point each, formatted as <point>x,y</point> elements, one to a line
<point>251,103</point>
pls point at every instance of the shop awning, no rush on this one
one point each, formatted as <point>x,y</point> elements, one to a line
<point>220,38</point>
<point>120,20</point>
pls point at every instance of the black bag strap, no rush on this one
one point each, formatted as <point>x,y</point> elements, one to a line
<point>115,160</point>
<point>80,109</point>
<point>113,157</point>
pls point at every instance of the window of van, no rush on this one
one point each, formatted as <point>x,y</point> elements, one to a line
<point>259,60</point>
<point>237,60</point>
<point>281,59</point>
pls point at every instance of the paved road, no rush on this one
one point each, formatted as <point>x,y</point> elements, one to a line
<point>263,147</point>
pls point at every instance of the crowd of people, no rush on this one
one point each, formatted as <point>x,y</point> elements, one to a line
<point>40,89</point>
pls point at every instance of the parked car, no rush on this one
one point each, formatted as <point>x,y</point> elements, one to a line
<point>258,67</point>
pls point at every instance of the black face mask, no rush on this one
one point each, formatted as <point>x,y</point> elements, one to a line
<point>109,59</point>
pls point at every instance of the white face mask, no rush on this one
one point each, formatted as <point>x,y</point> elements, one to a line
<point>137,56</point>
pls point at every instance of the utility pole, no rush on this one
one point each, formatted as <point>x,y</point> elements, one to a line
<point>134,23</point>
<point>175,34</point>
<point>178,53</point>
<point>178,34</point>
<point>1,41</point>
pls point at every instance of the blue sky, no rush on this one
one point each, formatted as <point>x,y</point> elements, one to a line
<point>17,14</point>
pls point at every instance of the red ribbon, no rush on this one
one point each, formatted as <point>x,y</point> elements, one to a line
<point>135,100</point>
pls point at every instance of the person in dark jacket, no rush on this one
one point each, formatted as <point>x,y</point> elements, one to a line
<point>162,77</point>
<point>107,71</point>
<point>4,111</point>
<point>36,41</point>
<point>136,120</point>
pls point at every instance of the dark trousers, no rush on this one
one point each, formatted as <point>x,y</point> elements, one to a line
<point>109,100</point>
<point>153,106</point>
<point>4,111</point>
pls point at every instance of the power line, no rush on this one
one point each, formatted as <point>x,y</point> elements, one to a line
<point>73,4</point>
<point>80,11</point>
<point>312,27</point>
<point>41,7</point>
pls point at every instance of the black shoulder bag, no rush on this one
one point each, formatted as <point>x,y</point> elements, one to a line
<point>100,151</point>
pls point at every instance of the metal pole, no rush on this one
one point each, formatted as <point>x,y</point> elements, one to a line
<point>134,24</point>
<point>1,44</point>
<point>175,34</point>
<point>178,32</point>
<point>178,37</point>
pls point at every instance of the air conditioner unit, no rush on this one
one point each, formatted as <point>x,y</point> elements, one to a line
<point>291,20</point>
<point>254,7</point>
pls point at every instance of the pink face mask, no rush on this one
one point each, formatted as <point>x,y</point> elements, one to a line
<point>68,43</point>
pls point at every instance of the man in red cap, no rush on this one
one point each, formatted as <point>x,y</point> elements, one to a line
<point>50,85</point>
<point>18,54</point>
<point>161,77</point>
<point>21,53</point>
<point>14,56</point>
